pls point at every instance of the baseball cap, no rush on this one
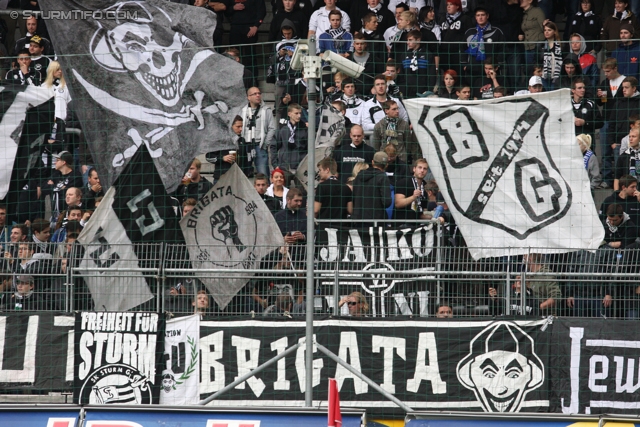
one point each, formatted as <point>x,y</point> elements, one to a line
<point>65,156</point>
<point>36,39</point>
<point>535,80</point>
<point>381,158</point>
<point>25,278</point>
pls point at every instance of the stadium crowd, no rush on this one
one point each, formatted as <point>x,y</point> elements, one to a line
<point>420,48</point>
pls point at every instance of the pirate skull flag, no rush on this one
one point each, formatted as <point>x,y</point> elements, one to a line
<point>510,172</point>
<point>144,72</point>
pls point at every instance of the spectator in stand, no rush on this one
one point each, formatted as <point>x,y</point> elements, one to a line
<point>497,305</point>
<point>588,62</point>
<point>261,184</point>
<point>373,37</point>
<point>483,40</point>
<point>24,298</point>
<point>357,303</point>
<point>292,222</point>
<point>372,109</point>
<point>193,184</point>
<point>591,163</point>
<point>319,22</point>
<point>245,17</point>
<point>551,56</point>
<point>448,87</point>
<point>395,131</point>
<point>544,285</point>
<point>572,70</point>
<point>408,22</point>
<point>215,7</point>
<point>258,128</point>
<point>464,93</point>
<point>24,74</point>
<point>587,117</point>
<point>418,67</point>
<point>619,230</point>
<point>507,15</point>
<point>188,205</point>
<point>390,34</point>
<point>535,86</point>
<point>73,197</point>
<point>63,178</point>
<point>371,63</point>
<point>41,236</point>
<point>396,168</point>
<point>619,119</point>
<point>32,30</point>
<point>427,21</point>
<point>333,197</point>
<point>384,16</point>
<point>288,11</point>
<point>248,78</point>
<point>610,32</point>
<point>391,74</point>
<point>336,38</point>
<point>634,122</point>
<point>202,302</point>
<point>277,188</point>
<point>485,85</point>
<point>290,145</point>
<point>628,197</point>
<point>372,193</point>
<point>37,50</point>
<point>532,32</point>
<point>608,94</point>
<point>411,196</point>
<point>73,214</point>
<point>242,154</point>
<point>628,52</point>
<point>347,155</point>
<point>587,24</point>
<point>280,71</point>
<point>628,161</point>
<point>94,189</point>
<point>352,102</point>
<point>454,28</point>
<point>500,92</point>
<point>18,234</point>
<point>444,311</point>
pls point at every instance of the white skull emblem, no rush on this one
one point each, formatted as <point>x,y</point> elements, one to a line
<point>155,63</point>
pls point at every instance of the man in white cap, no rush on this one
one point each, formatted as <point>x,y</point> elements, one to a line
<point>535,86</point>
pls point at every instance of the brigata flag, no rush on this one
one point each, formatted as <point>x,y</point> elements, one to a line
<point>145,73</point>
<point>510,171</point>
<point>230,228</point>
<point>124,234</point>
<point>15,103</point>
<point>181,370</point>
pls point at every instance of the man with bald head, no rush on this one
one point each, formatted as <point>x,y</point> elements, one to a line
<point>258,128</point>
<point>352,152</point>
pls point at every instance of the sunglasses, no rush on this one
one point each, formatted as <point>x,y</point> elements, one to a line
<point>350,303</point>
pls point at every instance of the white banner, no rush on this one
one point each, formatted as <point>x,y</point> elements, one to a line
<point>181,374</point>
<point>510,171</point>
<point>106,245</point>
<point>230,228</point>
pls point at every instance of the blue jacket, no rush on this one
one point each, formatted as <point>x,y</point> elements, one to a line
<point>336,46</point>
<point>628,59</point>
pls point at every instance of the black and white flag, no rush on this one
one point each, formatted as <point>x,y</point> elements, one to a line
<point>117,355</point>
<point>15,102</point>
<point>230,228</point>
<point>135,214</point>
<point>144,73</point>
<point>180,376</point>
<point>510,172</point>
<point>331,127</point>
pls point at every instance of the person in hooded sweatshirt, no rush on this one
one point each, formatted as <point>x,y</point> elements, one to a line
<point>296,18</point>
<point>587,59</point>
<point>628,52</point>
<point>619,230</point>
<point>372,193</point>
<point>587,24</point>
<point>572,70</point>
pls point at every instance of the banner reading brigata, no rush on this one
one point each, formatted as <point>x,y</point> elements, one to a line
<point>117,356</point>
<point>510,172</point>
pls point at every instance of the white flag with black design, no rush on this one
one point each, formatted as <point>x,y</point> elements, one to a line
<point>145,73</point>
<point>302,173</point>
<point>331,127</point>
<point>181,374</point>
<point>230,228</point>
<point>122,237</point>
<point>510,171</point>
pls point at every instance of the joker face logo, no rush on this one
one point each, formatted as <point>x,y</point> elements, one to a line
<point>496,369</point>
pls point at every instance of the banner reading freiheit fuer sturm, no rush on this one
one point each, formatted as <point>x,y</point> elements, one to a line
<point>117,355</point>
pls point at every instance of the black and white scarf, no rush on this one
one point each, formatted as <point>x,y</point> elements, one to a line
<point>634,159</point>
<point>336,34</point>
<point>292,132</point>
<point>452,18</point>
<point>614,228</point>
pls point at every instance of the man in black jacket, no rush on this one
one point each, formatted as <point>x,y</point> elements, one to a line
<point>587,117</point>
<point>372,193</point>
<point>348,154</point>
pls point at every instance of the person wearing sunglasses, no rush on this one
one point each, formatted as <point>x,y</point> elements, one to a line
<point>357,303</point>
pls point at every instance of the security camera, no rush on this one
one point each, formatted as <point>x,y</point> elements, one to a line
<point>342,64</point>
<point>302,49</point>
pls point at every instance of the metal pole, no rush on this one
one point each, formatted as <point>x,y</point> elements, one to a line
<point>311,195</point>
<point>364,378</point>
<point>250,374</point>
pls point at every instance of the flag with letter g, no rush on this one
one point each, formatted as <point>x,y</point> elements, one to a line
<point>335,417</point>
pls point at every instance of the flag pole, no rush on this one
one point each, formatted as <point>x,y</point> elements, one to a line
<point>311,168</point>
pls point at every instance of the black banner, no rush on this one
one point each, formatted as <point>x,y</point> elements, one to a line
<point>117,357</point>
